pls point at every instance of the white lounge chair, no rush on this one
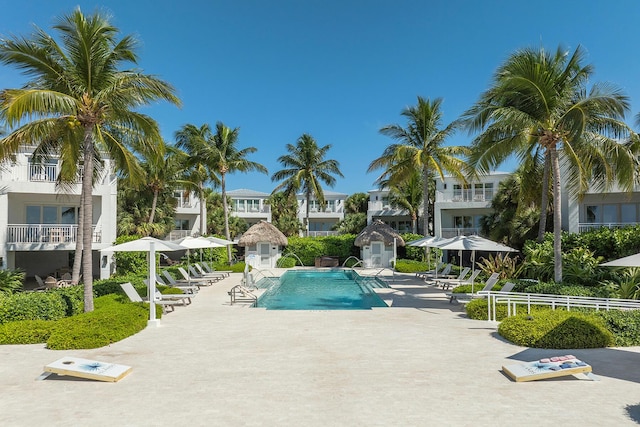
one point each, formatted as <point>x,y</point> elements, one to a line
<point>182,284</point>
<point>199,272</point>
<point>184,296</point>
<point>460,278</point>
<point>439,267</point>
<point>463,298</point>
<point>452,283</point>
<point>200,281</point>
<point>440,274</point>
<point>134,296</point>
<point>185,287</point>
<point>210,269</point>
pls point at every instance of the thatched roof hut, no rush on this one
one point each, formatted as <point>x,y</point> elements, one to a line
<point>263,232</point>
<point>378,231</point>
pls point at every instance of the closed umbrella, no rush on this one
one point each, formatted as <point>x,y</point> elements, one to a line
<point>149,245</point>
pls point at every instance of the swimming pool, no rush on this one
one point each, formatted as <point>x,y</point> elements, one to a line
<point>320,290</point>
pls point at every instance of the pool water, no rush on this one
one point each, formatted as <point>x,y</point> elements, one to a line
<point>320,290</point>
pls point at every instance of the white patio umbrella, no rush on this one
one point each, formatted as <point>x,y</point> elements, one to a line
<point>150,245</point>
<point>628,261</point>
<point>190,242</point>
<point>427,242</point>
<point>472,243</point>
<point>223,242</point>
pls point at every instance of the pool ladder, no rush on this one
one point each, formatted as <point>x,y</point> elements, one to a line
<point>239,293</point>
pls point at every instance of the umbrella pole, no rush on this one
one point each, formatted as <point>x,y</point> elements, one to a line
<point>152,286</point>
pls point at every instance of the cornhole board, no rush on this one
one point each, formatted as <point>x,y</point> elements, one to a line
<point>85,368</point>
<point>552,367</point>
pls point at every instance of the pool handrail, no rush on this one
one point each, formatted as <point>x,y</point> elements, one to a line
<point>358,261</point>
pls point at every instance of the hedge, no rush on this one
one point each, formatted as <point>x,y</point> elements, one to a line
<point>410,266</point>
<point>624,324</point>
<point>556,329</point>
<point>26,331</point>
<point>48,305</point>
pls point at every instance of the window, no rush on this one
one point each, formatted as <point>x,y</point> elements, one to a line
<point>182,224</point>
<point>609,213</point>
<point>253,205</point>
<point>462,221</point>
<point>592,214</point>
<point>238,205</point>
<point>51,214</point>
<point>628,213</point>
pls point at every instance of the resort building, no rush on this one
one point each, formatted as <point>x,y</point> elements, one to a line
<point>380,208</point>
<point>250,205</point>
<point>322,220</point>
<point>39,222</point>
<point>458,206</point>
<point>187,219</point>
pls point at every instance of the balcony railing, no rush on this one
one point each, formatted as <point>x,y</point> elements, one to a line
<point>47,233</point>
<point>322,233</point>
<point>178,234</point>
<point>588,226</point>
<point>453,232</point>
<point>252,209</point>
<point>469,195</point>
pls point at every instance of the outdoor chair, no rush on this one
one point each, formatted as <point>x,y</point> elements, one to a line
<point>443,273</point>
<point>202,273</point>
<point>182,284</point>
<point>199,276</point>
<point>200,281</point>
<point>134,296</point>
<point>465,298</point>
<point>452,283</point>
<point>460,278</point>
<point>439,267</point>
<point>210,269</point>
<point>186,296</point>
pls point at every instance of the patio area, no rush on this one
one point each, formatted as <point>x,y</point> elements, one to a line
<point>420,362</point>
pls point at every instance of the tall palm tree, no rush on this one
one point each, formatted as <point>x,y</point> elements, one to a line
<point>407,195</point>
<point>538,105</point>
<point>420,147</point>
<point>79,103</point>
<point>306,168</point>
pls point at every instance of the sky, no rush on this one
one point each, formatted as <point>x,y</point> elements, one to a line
<point>339,70</point>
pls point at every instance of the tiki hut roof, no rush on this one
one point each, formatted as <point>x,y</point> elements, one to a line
<point>378,231</point>
<point>263,232</point>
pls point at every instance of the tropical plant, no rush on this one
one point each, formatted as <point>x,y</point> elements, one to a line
<point>353,223</point>
<point>78,105</point>
<point>11,281</point>
<point>215,217</point>
<point>419,147</point>
<point>505,265</point>
<point>538,106</point>
<point>284,213</point>
<point>407,195</point>
<point>305,168</point>
<point>356,203</point>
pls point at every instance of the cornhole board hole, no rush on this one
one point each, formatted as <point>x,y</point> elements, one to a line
<point>85,368</point>
<point>552,367</point>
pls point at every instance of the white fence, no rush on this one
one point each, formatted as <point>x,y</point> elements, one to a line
<point>46,233</point>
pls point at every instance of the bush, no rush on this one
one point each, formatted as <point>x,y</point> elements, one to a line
<point>308,248</point>
<point>286,262</point>
<point>111,321</point>
<point>576,290</point>
<point>73,298</point>
<point>11,281</point>
<point>410,266</point>
<point>625,326</point>
<point>26,331</point>
<point>130,262</point>
<point>556,329</point>
<point>477,309</point>
<point>48,305</point>
<point>112,284</point>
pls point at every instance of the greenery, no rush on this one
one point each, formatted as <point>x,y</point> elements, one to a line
<point>26,331</point>
<point>410,266</point>
<point>503,264</point>
<point>556,329</point>
<point>353,223</point>
<point>48,305</point>
<point>308,248</point>
<point>624,324</point>
<point>11,281</point>
<point>284,213</point>
<point>286,262</point>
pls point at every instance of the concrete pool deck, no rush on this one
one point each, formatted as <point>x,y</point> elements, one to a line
<point>418,363</point>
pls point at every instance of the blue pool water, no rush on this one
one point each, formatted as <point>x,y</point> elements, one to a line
<point>320,290</point>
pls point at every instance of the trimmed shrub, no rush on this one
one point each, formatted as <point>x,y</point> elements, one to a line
<point>308,248</point>
<point>286,262</point>
<point>625,326</point>
<point>575,290</point>
<point>112,284</point>
<point>26,331</point>
<point>73,298</point>
<point>48,305</point>
<point>477,309</point>
<point>11,281</point>
<point>556,329</point>
<point>111,321</point>
<point>410,266</point>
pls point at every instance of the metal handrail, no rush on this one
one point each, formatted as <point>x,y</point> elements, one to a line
<point>245,293</point>
<point>359,261</point>
<point>513,299</point>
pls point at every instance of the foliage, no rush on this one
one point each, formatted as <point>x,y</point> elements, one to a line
<point>130,262</point>
<point>308,248</point>
<point>557,329</point>
<point>26,331</point>
<point>353,223</point>
<point>356,203</point>
<point>624,324</point>
<point>410,266</point>
<point>580,266</point>
<point>284,213</point>
<point>626,283</point>
<point>415,252</point>
<point>47,305</point>
<point>286,262</point>
<point>112,284</point>
<point>406,194</point>
<point>215,218</point>
<point>503,264</point>
<point>477,309</point>
<point>113,320</point>
<point>11,281</point>
<point>576,290</point>
<point>73,298</point>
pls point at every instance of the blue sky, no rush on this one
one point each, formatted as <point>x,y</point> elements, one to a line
<point>340,69</point>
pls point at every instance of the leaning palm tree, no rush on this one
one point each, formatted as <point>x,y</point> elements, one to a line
<point>80,104</point>
<point>305,168</point>
<point>408,196</point>
<point>538,105</point>
<point>420,148</point>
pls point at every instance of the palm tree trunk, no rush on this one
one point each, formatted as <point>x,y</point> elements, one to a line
<point>87,234</point>
<point>557,217</point>
<point>544,203</point>
<point>425,202</point>
<point>154,204</point>
<point>77,256</point>
<point>226,213</point>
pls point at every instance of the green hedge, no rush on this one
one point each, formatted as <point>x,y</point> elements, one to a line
<point>556,329</point>
<point>625,326</point>
<point>410,266</point>
<point>576,290</point>
<point>308,248</point>
<point>111,321</point>
<point>26,331</point>
<point>286,262</point>
<point>48,305</point>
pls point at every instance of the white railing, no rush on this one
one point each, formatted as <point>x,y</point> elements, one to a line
<point>513,299</point>
<point>588,226</point>
<point>466,195</point>
<point>46,233</point>
<point>43,173</point>
<point>178,234</point>
<point>322,233</point>
<point>453,232</point>
<point>252,209</point>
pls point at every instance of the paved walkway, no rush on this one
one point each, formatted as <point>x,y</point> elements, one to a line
<point>419,363</point>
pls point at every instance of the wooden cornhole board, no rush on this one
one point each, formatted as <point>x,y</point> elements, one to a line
<point>552,367</point>
<point>85,368</point>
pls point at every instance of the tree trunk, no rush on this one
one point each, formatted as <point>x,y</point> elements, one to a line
<point>414,223</point>
<point>557,217</point>
<point>425,201</point>
<point>154,204</point>
<point>77,256</point>
<point>87,233</point>
<point>225,208</point>
<point>544,203</point>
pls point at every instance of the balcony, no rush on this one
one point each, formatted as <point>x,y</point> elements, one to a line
<point>322,233</point>
<point>251,209</point>
<point>466,196</point>
<point>47,233</point>
<point>453,232</point>
<point>588,226</point>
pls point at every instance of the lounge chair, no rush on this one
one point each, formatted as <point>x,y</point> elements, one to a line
<point>465,298</point>
<point>452,283</point>
<point>41,285</point>
<point>182,284</point>
<point>210,269</point>
<point>199,272</point>
<point>460,278</point>
<point>200,281</point>
<point>439,266</point>
<point>134,296</point>
<point>185,287</point>
<point>440,274</point>
<point>184,296</point>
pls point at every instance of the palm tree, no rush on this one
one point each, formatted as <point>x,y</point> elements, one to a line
<point>420,148</point>
<point>79,104</point>
<point>538,106</point>
<point>305,168</point>
<point>407,195</point>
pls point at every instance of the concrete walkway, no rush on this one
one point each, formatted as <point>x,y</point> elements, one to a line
<point>419,363</point>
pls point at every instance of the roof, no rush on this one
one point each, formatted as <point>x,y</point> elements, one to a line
<point>378,231</point>
<point>263,232</point>
<point>243,192</point>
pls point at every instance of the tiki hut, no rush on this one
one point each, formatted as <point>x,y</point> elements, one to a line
<point>263,245</point>
<point>378,244</point>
